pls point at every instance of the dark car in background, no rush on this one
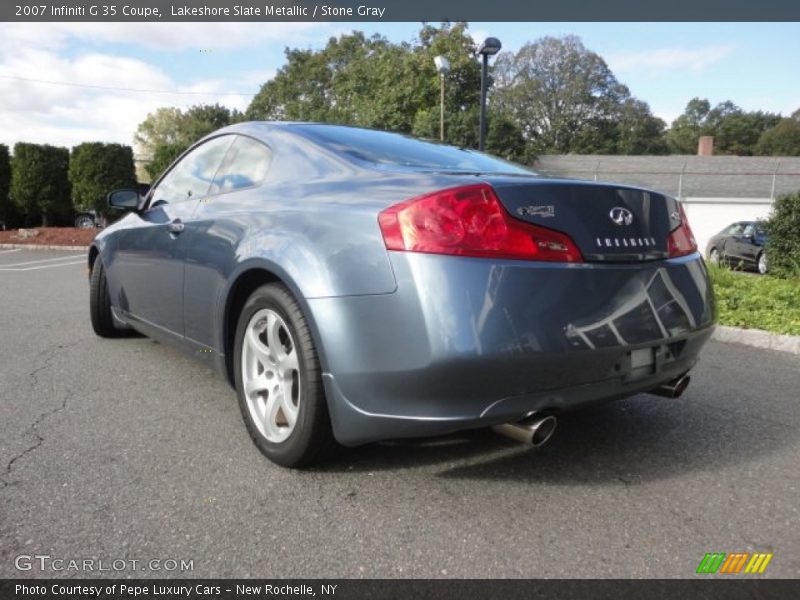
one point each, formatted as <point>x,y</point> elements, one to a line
<point>741,244</point>
<point>356,285</point>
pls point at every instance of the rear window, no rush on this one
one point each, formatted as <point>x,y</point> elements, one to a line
<point>390,150</point>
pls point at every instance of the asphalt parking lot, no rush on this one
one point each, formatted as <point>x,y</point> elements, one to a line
<point>126,449</point>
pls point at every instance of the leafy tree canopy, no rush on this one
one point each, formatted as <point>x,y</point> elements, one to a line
<point>781,140</point>
<point>735,131</point>
<point>565,99</point>
<point>168,131</point>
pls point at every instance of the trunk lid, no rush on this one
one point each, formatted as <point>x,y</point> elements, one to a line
<point>607,222</point>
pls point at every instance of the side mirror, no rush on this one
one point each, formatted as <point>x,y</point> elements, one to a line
<point>125,199</point>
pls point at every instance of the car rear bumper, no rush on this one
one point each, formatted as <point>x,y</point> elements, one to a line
<point>468,342</point>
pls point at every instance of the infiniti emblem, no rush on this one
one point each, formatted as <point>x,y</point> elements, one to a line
<point>621,216</point>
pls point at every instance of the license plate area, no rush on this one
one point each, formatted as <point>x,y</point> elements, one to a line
<point>643,362</point>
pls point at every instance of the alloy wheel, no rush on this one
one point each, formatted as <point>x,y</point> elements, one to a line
<point>271,375</point>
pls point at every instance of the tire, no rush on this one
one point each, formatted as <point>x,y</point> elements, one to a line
<point>84,222</point>
<point>281,367</point>
<point>762,266</point>
<point>100,304</point>
<point>714,257</point>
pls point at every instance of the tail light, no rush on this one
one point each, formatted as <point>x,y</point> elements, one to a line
<point>470,221</point>
<point>680,241</point>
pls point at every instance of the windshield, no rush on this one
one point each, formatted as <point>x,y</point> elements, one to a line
<point>395,150</point>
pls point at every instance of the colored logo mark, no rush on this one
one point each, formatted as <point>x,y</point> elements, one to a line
<point>734,563</point>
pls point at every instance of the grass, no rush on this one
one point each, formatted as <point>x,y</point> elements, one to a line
<point>757,301</point>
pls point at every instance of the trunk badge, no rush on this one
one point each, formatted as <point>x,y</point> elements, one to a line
<point>537,211</point>
<point>621,216</point>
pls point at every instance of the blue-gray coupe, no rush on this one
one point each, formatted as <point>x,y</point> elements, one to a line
<point>356,285</point>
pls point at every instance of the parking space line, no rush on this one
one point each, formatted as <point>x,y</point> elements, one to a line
<point>10,251</point>
<point>78,262</point>
<point>43,260</point>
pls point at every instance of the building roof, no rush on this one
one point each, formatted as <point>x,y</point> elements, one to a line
<point>679,175</point>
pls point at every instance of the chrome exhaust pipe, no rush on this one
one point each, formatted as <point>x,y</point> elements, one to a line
<point>534,432</point>
<point>674,388</point>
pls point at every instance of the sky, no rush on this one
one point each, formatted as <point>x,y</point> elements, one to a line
<point>182,64</point>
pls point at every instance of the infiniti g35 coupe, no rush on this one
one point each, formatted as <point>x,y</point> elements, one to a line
<point>355,285</point>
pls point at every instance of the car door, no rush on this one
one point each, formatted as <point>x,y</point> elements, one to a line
<point>151,252</point>
<point>747,245</point>
<point>220,222</point>
<point>728,244</point>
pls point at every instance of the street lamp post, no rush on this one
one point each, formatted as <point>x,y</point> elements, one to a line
<point>443,67</point>
<point>489,47</point>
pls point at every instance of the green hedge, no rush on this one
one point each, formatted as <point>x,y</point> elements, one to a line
<point>5,185</point>
<point>783,229</point>
<point>95,169</point>
<point>39,181</point>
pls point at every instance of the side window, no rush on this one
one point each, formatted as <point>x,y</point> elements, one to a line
<point>749,231</point>
<point>246,165</point>
<point>735,229</point>
<point>192,176</point>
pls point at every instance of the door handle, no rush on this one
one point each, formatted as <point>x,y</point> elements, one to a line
<point>176,226</point>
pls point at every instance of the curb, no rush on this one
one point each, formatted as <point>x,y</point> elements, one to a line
<point>757,338</point>
<point>40,247</point>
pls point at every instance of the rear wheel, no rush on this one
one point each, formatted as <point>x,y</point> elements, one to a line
<point>100,304</point>
<point>279,380</point>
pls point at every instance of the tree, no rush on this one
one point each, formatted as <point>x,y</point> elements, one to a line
<point>781,140</point>
<point>687,128</point>
<point>95,169</point>
<point>372,82</point>
<point>735,131</point>
<point>39,180</point>
<point>169,131</point>
<point>638,130</point>
<point>503,137</point>
<point>6,209</point>
<point>562,96</point>
<point>163,156</point>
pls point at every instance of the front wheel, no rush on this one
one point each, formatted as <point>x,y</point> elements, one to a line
<point>85,221</point>
<point>100,304</point>
<point>762,263</point>
<point>279,380</point>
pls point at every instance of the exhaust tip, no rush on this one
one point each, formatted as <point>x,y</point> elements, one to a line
<point>534,432</point>
<point>673,389</point>
<point>543,431</point>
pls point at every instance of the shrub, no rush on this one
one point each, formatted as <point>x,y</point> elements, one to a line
<point>95,169</point>
<point>783,229</point>
<point>5,184</point>
<point>39,181</point>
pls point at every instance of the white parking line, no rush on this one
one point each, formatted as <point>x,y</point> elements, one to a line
<point>10,251</point>
<point>78,262</point>
<point>43,260</point>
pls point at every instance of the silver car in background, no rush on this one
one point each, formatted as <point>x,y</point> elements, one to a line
<point>356,285</point>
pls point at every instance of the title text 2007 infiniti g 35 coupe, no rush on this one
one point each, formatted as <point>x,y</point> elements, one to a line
<point>355,285</point>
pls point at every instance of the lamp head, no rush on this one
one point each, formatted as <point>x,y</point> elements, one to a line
<point>442,64</point>
<point>490,46</point>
